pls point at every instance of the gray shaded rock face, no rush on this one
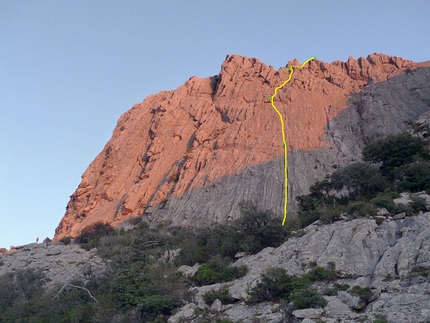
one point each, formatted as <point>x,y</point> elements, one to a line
<point>378,110</point>
<point>61,263</point>
<point>392,259</point>
<point>375,112</point>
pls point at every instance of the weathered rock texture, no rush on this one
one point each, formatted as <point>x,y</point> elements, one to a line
<point>189,156</point>
<point>392,259</point>
<point>61,263</point>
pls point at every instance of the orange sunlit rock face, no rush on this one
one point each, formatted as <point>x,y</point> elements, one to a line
<point>209,128</point>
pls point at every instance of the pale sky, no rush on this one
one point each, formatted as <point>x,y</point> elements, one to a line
<point>70,68</point>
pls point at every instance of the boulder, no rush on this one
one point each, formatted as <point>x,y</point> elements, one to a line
<point>306,320</point>
<point>216,307</point>
<point>383,212</point>
<point>337,309</point>
<point>399,216</point>
<point>181,316</point>
<point>189,270</point>
<point>309,313</point>
<point>352,301</point>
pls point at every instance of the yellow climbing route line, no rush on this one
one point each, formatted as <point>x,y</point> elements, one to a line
<point>284,141</point>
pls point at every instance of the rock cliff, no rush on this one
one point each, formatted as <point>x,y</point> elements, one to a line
<point>187,157</point>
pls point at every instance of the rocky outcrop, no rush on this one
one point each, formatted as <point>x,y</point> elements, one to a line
<point>61,263</point>
<point>188,156</point>
<point>389,257</point>
<point>392,259</point>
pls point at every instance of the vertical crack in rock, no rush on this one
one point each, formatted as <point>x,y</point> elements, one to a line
<point>215,82</point>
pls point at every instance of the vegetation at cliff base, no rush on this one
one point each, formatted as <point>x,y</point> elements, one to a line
<point>255,230</point>
<point>221,294</point>
<point>390,166</point>
<point>276,285</point>
<point>142,282</point>
<point>217,271</point>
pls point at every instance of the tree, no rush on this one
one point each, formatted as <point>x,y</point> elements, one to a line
<point>90,236</point>
<point>394,151</point>
<point>9,293</point>
<point>351,182</point>
<point>358,179</point>
<point>29,280</point>
<point>260,229</point>
<point>413,177</point>
<point>306,298</point>
<point>20,291</point>
<point>276,284</point>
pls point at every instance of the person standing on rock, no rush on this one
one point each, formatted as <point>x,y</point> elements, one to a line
<point>37,240</point>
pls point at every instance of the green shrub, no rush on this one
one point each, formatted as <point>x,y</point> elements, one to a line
<point>90,236</point>
<point>253,231</point>
<point>9,294</point>
<point>306,298</point>
<point>315,198</point>
<point>259,229</point>
<point>365,293</point>
<point>378,220</point>
<point>275,284</point>
<point>66,240</point>
<point>400,162</point>
<point>292,224</point>
<point>192,253</point>
<point>395,151</point>
<point>221,294</point>
<point>358,179</point>
<point>217,271</point>
<point>206,276</point>
<point>128,289</point>
<point>418,204</point>
<point>380,319</point>
<point>28,281</point>
<point>136,221</point>
<point>342,287</point>
<point>22,296</point>
<point>221,241</point>
<point>361,209</point>
<point>346,190</point>
<point>202,245</point>
<point>155,291</point>
<point>336,287</point>
<point>413,177</point>
<point>309,217</point>
<point>152,305</point>
<point>354,180</point>
<point>385,200</point>
<point>318,273</point>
